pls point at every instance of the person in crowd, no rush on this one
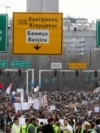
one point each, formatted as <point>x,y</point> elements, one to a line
<point>48,128</point>
<point>36,124</point>
<point>2,121</point>
<point>85,127</point>
<point>40,127</point>
<point>30,128</point>
<point>56,126</point>
<point>15,127</point>
<point>67,128</point>
<point>8,129</point>
<point>8,119</point>
<point>97,125</point>
<point>93,128</point>
<point>23,127</point>
<point>78,127</point>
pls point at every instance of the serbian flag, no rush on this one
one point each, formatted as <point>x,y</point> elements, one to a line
<point>9,89</point>
<point>1,86</point>
<point>12,98</point>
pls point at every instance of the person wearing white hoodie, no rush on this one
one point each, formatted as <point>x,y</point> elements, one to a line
<point>66,128</point>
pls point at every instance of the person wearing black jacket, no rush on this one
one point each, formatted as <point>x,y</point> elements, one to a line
<point>1,121</point>
<point>48,128</point>
<point>40,128</point>
<point>97,125</point>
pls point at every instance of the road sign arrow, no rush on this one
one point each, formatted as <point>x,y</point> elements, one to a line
<point>37,47</point>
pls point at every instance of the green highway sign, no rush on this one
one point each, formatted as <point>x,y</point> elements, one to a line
<point>3,32</point>
<point>20,64</point>
<point>98,34</point>
<point>3,64</point>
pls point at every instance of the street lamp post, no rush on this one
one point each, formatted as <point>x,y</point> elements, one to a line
<point>90,58</point>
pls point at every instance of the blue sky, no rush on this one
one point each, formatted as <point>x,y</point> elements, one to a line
<point>89,9</point>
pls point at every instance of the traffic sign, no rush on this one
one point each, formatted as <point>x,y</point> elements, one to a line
<point>98,34</point>
<point>56,65</point>
<point>20,64</point>
<point>3,64</point>
<point>39,33</point>
<point>3,32</point>
<point>77,66</point>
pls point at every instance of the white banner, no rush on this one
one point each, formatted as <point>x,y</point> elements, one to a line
<point>17,106</point>
<point>96,109</point>
<point>25,106</point>
<point>8,90</point>
<point>36,104</point>
<point>30,100</point>
<point>21,106</point>
<point>52,107</point>
<point>21,91</point>
<point>21,121</point>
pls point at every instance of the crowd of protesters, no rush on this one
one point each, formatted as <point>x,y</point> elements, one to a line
<point>76,108</point>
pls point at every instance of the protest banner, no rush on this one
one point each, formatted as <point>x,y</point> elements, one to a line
<point>36,104</point>
<point>21,91</point>
<point>52,107</point>
<point>17,106</point>
<point>25,106</point>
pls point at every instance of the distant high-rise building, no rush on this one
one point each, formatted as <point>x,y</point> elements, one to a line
<point>42,5</point>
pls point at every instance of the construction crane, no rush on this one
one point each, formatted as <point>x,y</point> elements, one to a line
<point>6,6</point>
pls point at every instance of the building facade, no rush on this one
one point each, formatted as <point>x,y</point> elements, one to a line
<point>80,24</point>
<point>42,5</point>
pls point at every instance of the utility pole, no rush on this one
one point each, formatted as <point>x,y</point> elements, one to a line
<point>90,58</point>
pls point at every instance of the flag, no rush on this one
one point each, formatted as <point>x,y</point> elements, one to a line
<point>9,89</point>
<point>1,86</point>
<point>36,89</point>
<point>12,98</point>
